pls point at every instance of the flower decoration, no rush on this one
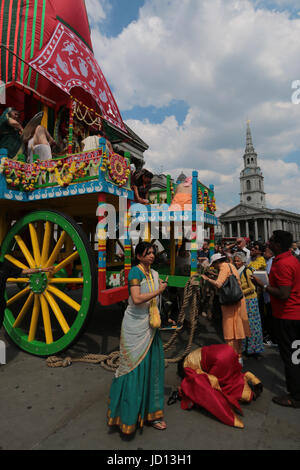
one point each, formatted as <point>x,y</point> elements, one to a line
<point>118,169</point>
<point>200,196</point>
<point>205,200</point>
<point>172,190</point>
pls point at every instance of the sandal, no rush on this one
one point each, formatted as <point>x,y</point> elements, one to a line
<point>173,398</point>
<point>286,400</point>
<point>160,425</point>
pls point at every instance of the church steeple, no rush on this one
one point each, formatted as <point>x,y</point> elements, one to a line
<point>251,178</point>
<point>250,156</point>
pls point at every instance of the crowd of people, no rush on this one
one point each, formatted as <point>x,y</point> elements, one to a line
<point>248,257</point>
<point>212,375</point>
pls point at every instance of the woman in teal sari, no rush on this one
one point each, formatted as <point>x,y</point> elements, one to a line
<point>137,391</point>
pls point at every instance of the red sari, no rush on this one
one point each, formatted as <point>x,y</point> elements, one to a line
<point>214,381</point>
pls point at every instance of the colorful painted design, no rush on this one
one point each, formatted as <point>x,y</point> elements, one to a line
<point>67,62</point>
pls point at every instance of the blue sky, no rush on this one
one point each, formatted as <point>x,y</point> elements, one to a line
<point>188,74</point>
<point>120,13</point>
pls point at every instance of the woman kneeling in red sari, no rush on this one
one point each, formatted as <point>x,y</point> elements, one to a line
<point>213,379</point>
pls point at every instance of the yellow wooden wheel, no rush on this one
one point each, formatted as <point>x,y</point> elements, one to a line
<point>45,316</point>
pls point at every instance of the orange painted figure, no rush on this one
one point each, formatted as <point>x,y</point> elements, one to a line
<point>183,195</point>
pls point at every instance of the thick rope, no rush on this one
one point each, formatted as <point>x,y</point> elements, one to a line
<point>110,362</point>
<point>191,298</point>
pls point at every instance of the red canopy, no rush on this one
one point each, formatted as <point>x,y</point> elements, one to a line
<point>49,50</point>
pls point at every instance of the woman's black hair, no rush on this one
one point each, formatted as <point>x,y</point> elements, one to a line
<point>260,245</point>
<point>137,176</point>
<point>141,247</point>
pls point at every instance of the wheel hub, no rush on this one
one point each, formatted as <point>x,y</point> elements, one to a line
<point>38,283</point>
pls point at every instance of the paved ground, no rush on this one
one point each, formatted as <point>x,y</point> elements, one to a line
<point>43,408</point>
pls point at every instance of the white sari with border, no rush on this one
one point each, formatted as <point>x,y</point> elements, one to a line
<point>136,332</point>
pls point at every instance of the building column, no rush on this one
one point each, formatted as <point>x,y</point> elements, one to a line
<point>256,230</point>
<point>238,229</point>
<point>270,229</point>
<point>230,229</point>
<point>293,230</point>
<point>265,230</point>
<point>247,228</point>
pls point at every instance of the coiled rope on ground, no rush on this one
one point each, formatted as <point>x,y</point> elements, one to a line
<point>110,362</point>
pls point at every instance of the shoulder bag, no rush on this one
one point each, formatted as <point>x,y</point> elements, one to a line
<point>230,292</point>
<point>154,315</point>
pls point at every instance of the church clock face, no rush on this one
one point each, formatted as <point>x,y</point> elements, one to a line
<point>249,198</point>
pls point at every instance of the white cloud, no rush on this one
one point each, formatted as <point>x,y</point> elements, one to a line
<point>96,11</point>
<point>229,61</point>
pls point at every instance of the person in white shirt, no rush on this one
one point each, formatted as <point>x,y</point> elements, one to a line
<point>241,244</point>
<point>295,250</point>
<point>269,336</point>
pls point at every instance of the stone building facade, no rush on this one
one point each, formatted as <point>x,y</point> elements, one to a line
<point>251,218</point>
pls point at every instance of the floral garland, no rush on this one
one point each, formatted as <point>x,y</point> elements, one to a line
<point>172,190</point>
<point>207,203</point>
<point>65,173</point>
<point>81,116</point>
<point>19,179</point>
<point>200,196</point>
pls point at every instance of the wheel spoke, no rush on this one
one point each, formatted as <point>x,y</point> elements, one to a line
<point>16,262</point>
<point>23,311</point>
<point>11,280</point>
<point>66,280</point>
<point>25,251</point>
<point>34,318</point>
<point>56,250</point>
<point>65,298</point>
<point>46,320</point>
<point>18,296</point>
<point>66,261</point>
<point>35,244</point>
<point>40,231</point>
<point>46,243</point>
<point>57,312</point>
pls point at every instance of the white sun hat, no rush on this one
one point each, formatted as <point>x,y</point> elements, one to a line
<point>216,257</point>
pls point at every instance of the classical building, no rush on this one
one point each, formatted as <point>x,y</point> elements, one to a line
<point>251,218</point>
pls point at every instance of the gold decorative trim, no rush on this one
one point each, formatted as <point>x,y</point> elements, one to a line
<point>238,423</point>
<point>247,392</point>
<point>134,282</point>
<point>129,429</point>
<point>252,378</point>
